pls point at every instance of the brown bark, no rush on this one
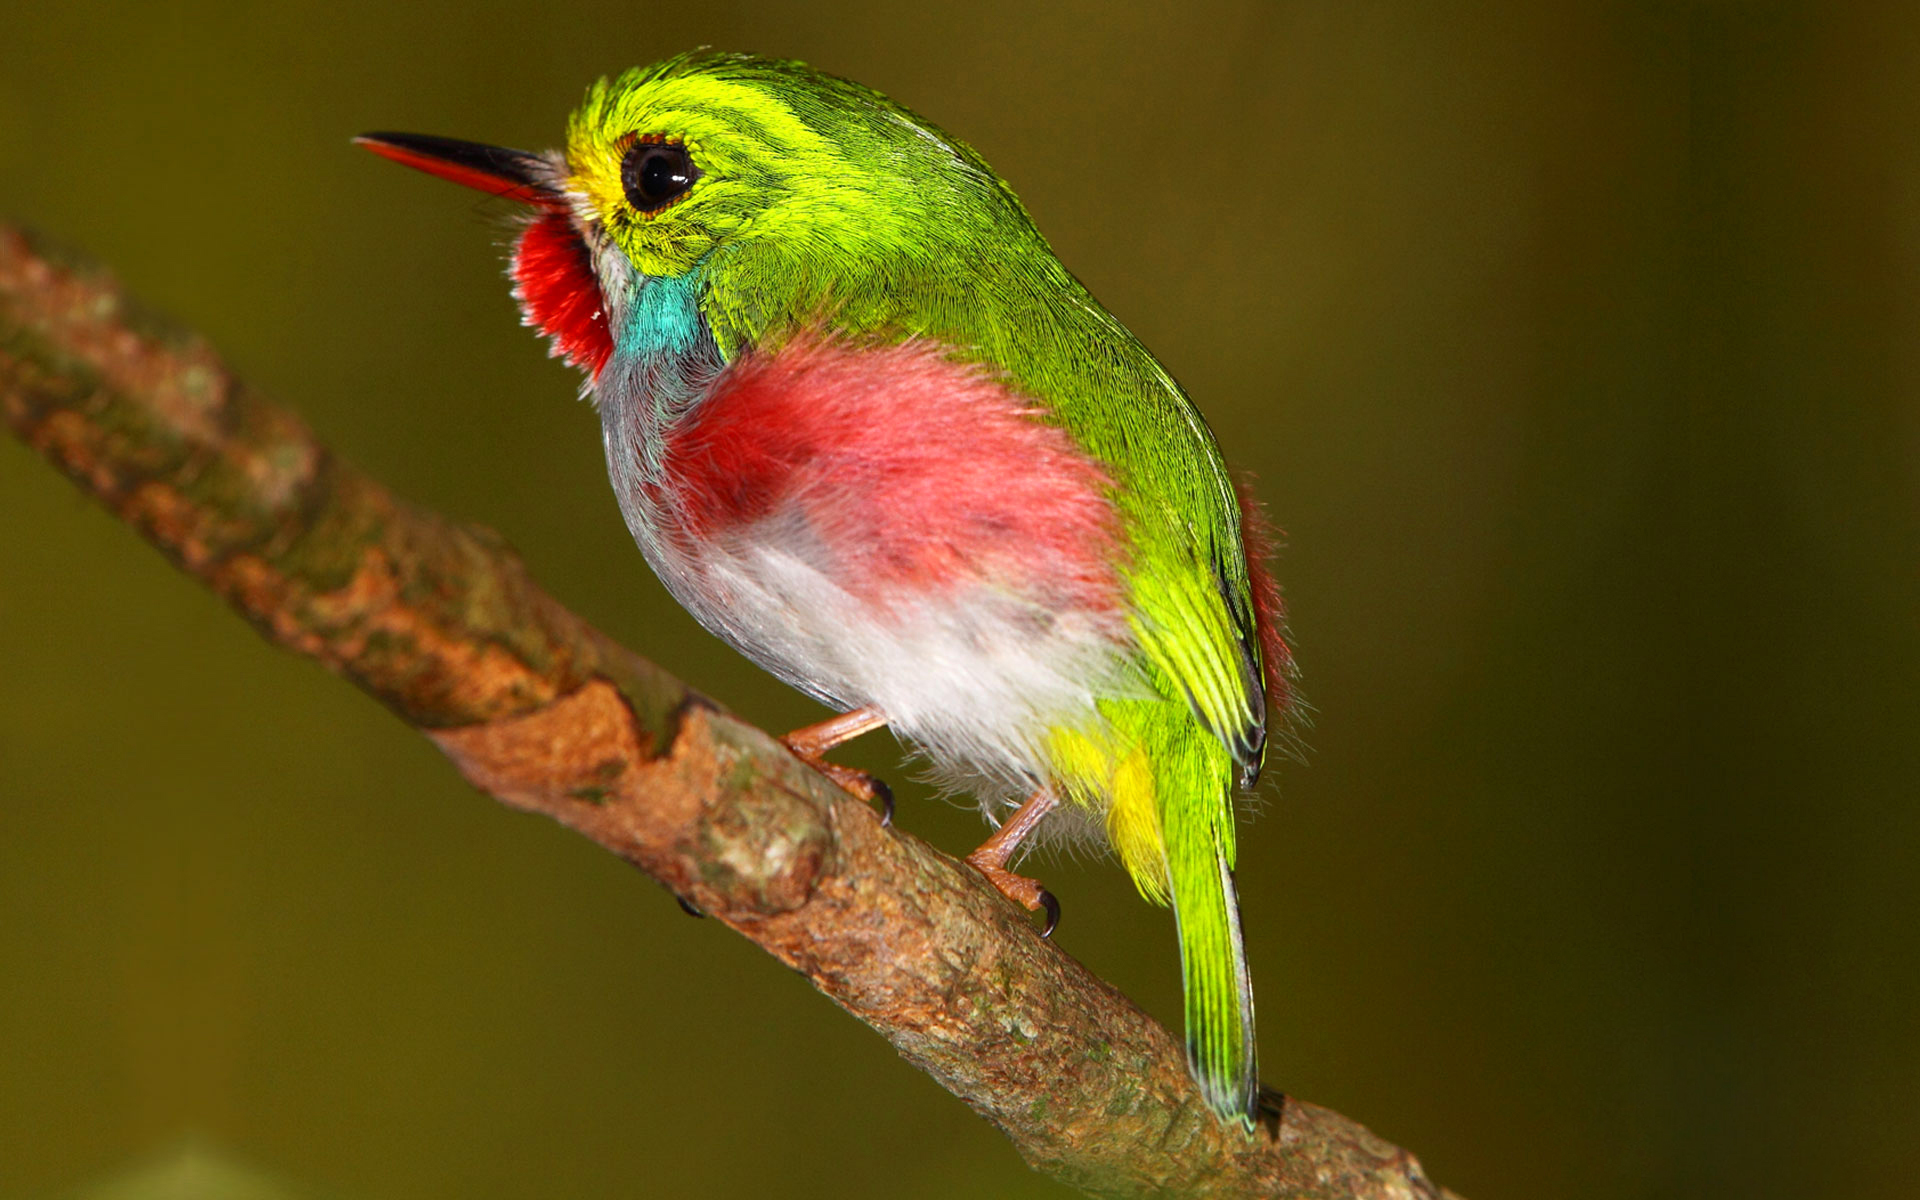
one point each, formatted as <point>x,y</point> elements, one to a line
<point>439,621</point>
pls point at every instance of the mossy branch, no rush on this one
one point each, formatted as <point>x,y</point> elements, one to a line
<point>439,621</point>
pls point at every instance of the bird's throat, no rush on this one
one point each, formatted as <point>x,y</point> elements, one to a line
<point>665,363</point>
<point>559,293</point>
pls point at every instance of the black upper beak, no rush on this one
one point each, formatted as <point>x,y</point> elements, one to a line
<point>512,174</point>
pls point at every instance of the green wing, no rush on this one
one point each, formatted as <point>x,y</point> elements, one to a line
<point>1193,619</point>
<point>1193,604</point>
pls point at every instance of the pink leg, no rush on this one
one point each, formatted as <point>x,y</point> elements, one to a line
<point>991,859</point>
<point>810,746</point>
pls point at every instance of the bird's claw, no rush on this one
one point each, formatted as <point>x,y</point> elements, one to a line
<point>859,785</point>
<point>810,746</point>
<point>1027,893</point>
<point>1052,906</point>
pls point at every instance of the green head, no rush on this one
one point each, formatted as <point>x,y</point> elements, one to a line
<point>792,194</point>
<point>777,158</point>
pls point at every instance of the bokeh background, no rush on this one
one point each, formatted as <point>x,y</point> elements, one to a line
<point>1576,348</point>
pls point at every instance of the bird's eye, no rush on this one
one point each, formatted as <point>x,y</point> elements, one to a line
<point>655,174</point>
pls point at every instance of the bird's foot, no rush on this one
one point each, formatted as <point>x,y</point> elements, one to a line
<point>1027,893</point>
<point>993,855</point>
<point>810,746</point>
<point>858,784</point>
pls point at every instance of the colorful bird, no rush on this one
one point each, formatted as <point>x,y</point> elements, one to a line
<point>868,430</point>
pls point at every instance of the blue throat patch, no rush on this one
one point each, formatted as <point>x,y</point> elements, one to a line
<point>665,350</point>
<point>665,362</point>
<point>664,319</point>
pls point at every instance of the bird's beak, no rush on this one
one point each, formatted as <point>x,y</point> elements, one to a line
<point>510,174</point>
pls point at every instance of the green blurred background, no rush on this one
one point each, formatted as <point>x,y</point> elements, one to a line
<point>1574,346</point>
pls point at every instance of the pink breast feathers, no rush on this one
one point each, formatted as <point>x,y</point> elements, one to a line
<point>914,476</point>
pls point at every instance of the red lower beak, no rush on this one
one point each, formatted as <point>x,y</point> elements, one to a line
<point>511,174</point>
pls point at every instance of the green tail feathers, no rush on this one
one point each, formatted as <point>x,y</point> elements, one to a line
<point>1213,963</point>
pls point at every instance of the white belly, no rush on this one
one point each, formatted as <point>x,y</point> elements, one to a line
<point>975,677</point>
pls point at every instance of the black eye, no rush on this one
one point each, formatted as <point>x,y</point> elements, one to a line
<point>655,174</point>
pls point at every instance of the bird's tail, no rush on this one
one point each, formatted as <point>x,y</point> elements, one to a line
<point>1170,820</point>
<point>1213,962</point>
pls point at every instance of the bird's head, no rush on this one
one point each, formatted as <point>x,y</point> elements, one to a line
<point>768,176</point>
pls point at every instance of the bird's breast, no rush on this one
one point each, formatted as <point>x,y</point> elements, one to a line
<point>904,473</point>
<point>885,526</point>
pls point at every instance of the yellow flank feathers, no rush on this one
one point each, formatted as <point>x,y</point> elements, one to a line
<point>1102,770</point>
<point>1133,823</point>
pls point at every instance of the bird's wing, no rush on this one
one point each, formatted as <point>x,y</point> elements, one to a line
<point>1194,620</point>
<point>1194,614</point>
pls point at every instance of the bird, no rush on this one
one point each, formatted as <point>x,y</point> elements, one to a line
<point>870,431</point>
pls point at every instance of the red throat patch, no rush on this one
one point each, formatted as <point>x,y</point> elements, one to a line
<point>559,294</point>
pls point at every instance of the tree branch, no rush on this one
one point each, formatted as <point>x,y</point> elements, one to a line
<point>440,622</point>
